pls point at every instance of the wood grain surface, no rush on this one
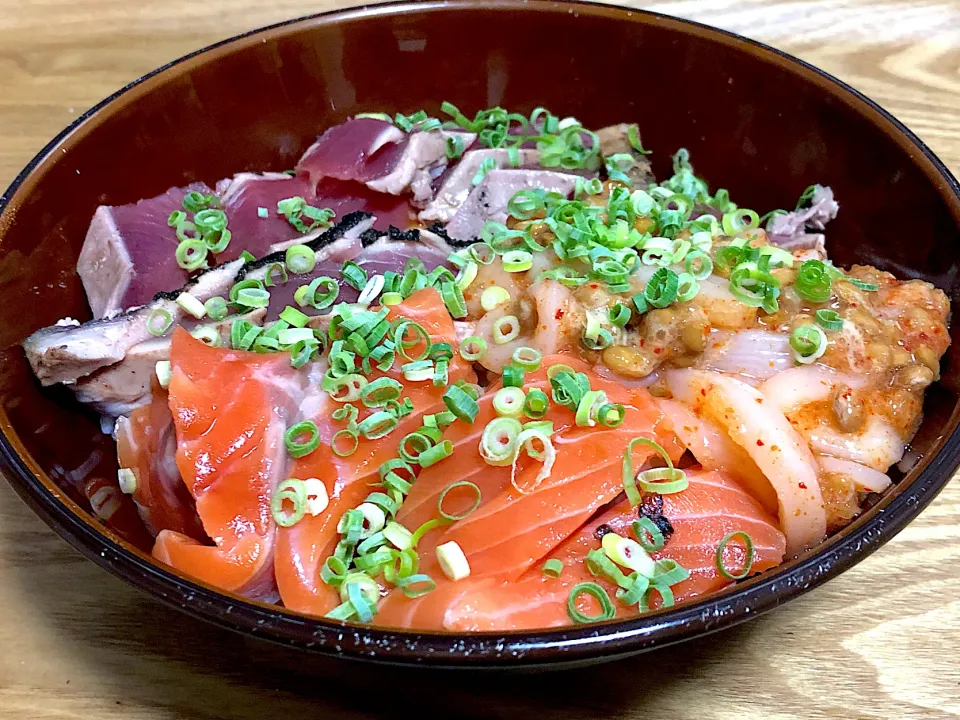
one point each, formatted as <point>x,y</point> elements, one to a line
<point>882,641</point>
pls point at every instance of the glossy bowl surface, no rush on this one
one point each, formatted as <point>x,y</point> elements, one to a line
<point>756,121</point>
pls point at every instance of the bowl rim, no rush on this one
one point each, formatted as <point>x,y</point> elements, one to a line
<point>556,647</point>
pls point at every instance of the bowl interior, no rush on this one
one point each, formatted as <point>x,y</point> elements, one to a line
<point>755,122</point>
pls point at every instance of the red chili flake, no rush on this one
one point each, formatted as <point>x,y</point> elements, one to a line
<point>703,392</point>
<point>656,351</point>
<point>593,286</point>
<point>559,314</point>
<point>759,443</point>
<point>643,342</point>
<point>803,486</point>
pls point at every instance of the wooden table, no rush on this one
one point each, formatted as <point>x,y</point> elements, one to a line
<point>881,641</point>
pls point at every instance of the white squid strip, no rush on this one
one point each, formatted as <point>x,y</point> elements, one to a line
<point>877,446</point>
<point>866,479</point>
<point>714,449</point>
<point>768,438</point>
<point>754,354</point>
<point>792,389</point>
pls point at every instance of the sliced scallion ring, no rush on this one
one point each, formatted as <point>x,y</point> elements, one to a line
<point>809,343</point>
<point>477,499</point>
<point>748,560</point>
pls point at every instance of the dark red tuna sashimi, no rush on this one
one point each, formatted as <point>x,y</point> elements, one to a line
<point>345,197</point>
<point>127,256</point>
<point>377,258</point>
<point>243,196</point>
<point>359,149</point>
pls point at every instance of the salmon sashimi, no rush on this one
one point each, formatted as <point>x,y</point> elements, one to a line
<point>466,463</point>
<point>712,506</point>
<point>513,530</point>
<point>147,445</point>
<point>302,549</point>
<point>230,409</point>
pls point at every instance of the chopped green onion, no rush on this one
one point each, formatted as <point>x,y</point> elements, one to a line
<point>300,259</point>
<point>453,299</point>
<point>611,415</point>
<point>628,553</point>
<point>640,303</point>
<point>809,343</point>
<point>427,527</point>
<point>619,315</point>
<point>433,455</point>
<point>321,293</point>
<point>506,329</point>
<point>473,348</point>
<point>402,344</point>
<point>747,563</point>
<point>378,425</point>
<point>813,282</point>
<point>648,534</point>
<point>244,285</point>
<point>191,305</point>
<point>353,274</point>
<point>607,610</point>
<point>755,288</point>
<point>216,308</point>
<point>295,492</point>
<point>191,254</point>
<point>486,165</point>
<point>527,358</point>
<point>418,371</point>
<point>298,449</point>
<point>517,261</point>
<point>253,298</point>
<point>414,586</point>
<point>661,290</point>
<point>207,334</point>
<point>829,319</point>
<point>159,321</point>
<point>547,456</point>
<point>493,296</point>
<point>868,286</point>
<point>380,391</point>
<point>552,568</point>
<point>649,482</point>
<point>499,440</point>
<point>739,220</point>
<point>687,288</point>
<point>411,446</point>
<point>536,404</point>
<point>513,376</point>
<point>509,402</point>
<point>461,404</point>
<point>482,253</point>
<point>460,516</point>
<point>294,317</point>
<point>454,147</point>
<point>584,413</point>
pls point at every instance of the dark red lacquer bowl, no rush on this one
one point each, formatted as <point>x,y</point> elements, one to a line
<point>756,121</point>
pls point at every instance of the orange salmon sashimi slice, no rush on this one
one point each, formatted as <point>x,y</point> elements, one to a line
<point>466,464</point>
<point>147,445</point>
<point>713,506</point>
<point>510,531</point>
<point>303,548</point>
<point>230,409</point>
